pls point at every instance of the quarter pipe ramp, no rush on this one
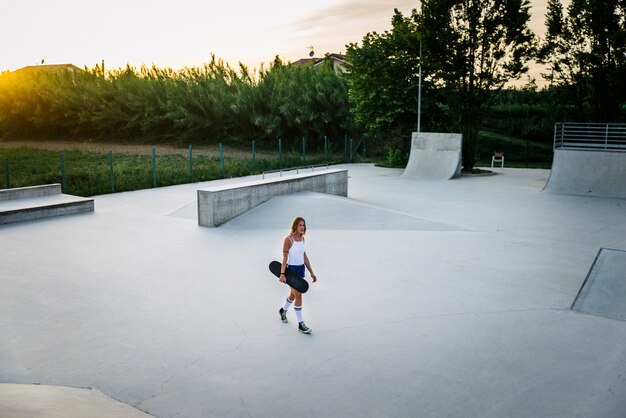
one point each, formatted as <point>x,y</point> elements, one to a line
<point>588,173</point>
<point>434,156</point>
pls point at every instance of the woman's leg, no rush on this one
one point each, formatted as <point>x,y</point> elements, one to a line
<point>288,301</point>
<point>297,307</point>
<point>283,311</point>
<point>296,297</point>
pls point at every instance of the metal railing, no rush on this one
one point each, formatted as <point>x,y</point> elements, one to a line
<point>590,136</point>
<point>304,167</point>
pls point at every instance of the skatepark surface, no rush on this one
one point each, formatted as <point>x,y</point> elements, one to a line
<point>434,299</point>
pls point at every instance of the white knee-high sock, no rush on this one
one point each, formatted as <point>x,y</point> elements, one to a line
<point>287,304</point>
<point>298,310</point>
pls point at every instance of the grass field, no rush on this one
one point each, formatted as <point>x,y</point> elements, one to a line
<point>86,173</point>
<point>517,152</point>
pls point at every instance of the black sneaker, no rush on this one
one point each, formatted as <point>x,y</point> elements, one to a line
<point>283,315</point>
<point>303,328</point>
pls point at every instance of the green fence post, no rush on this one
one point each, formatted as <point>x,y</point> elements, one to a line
<point>154,176</point>
<point>6,173</point>
<point>222,159</point>
<point>253,159</point>
<point>63,183</point>
<point>304,149</point>
<point>363,146</point>
<point>190,164</point>
<point>350,153</point>
<point>325,148</point>
<point>280,153</point>
<point>345,147</point>
<point>526,154</point>
<point>111,178</point>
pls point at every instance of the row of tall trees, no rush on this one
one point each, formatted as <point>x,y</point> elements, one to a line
<point>472,49</point>
<point>213,103</point>
<point>585,51</point>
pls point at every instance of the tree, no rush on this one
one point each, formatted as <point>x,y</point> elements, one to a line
<point>472,48</point>
<point>383,82</point>
<point>585,51</point>
<point>295,101</point>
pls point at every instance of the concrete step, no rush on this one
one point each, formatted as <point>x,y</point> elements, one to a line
<point>38,202</point>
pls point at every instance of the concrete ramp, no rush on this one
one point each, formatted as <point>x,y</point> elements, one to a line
<point>28,401</point>
<point>588,173</point>
<point>434,156</point>
<point>324,211</point>
<point>604,291</point>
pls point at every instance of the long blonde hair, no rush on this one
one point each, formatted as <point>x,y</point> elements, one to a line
<point>294,225</point>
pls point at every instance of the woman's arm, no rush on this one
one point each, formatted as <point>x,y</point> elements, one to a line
<point>283,267</point>
<point>308,266</point>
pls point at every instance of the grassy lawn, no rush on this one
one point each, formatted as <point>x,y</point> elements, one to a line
<point>89,173</point>
<point>517,152</point>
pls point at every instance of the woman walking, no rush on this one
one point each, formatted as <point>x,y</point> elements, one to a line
<point>295,258</point>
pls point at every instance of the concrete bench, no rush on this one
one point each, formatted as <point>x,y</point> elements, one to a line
<point>37,202</point>
<point>217,205</point>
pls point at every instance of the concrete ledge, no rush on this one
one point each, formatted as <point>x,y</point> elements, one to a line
<point>218,205</point>
<point>46,210</point>
<point>28,192</point>
<point>38,202</point>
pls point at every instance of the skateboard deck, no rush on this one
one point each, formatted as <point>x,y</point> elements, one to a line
<point>293,279</point>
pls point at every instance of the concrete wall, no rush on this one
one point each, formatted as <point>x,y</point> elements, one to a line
<point>434,156</point>
<point>218,205</point>
<point>28,192</point>
<point>588,173</point>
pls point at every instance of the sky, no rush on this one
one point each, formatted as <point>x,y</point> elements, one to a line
<point>184,33</point>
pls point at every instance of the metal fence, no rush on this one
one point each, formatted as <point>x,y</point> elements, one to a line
<point>590,136</point>
<point>10,171</point>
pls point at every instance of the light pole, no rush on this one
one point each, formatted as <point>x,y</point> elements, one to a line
<point>419,93</point>
<point>419,86</point>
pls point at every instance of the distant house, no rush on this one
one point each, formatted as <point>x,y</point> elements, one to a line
<point>49,67</point>
<point>338,61</point>
<point>307,61</point>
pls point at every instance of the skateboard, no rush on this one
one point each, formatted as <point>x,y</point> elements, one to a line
<point>293,279</point>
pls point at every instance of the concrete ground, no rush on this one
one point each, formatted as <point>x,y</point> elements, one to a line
<point>434,299</point>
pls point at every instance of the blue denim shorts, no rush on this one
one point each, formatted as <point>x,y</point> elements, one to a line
<point>298,269</point>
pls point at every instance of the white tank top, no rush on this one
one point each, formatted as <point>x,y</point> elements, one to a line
<point>296,252</point>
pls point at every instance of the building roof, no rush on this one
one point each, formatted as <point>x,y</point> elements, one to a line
<point>317,61</point>
<point>306,61</point>
<point>49,67</point>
